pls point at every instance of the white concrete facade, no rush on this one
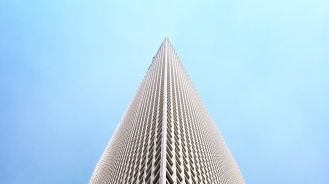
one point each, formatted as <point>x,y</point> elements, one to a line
<point>166,134</point>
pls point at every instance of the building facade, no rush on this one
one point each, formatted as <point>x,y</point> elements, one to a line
<point>166,135</point>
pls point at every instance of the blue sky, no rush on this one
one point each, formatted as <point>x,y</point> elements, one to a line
<point>68,70</point>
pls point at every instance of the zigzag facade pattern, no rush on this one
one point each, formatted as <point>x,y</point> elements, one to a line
<point>166,135</point>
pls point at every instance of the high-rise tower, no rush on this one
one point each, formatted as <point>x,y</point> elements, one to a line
<point>166,135</point>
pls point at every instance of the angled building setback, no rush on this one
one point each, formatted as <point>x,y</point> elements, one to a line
<point>166,135</point>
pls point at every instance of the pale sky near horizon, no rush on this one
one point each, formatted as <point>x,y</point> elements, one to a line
<point>68,70</point>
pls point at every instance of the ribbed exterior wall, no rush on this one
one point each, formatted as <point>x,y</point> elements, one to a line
<point>166,134</point>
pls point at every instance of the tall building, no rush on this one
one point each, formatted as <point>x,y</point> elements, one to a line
<point>166,135</point>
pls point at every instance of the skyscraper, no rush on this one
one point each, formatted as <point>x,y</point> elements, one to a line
<point>166,135</point>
